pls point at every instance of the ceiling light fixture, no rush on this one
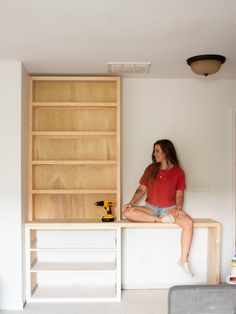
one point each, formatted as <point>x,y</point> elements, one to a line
<point>206,64</point>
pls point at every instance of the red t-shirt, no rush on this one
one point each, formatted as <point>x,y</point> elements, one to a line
<point>162,190</point>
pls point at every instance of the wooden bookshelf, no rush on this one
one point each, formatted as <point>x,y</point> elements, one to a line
<point>74,147</point>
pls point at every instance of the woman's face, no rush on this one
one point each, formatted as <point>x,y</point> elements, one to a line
<point>159,155</point>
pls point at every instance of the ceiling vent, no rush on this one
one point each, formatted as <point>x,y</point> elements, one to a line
<point>129,67</point>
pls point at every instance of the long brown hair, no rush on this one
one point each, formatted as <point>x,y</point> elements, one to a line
<point>168,148</point>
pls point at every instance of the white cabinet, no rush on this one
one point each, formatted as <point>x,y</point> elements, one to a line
<point>73,263</point>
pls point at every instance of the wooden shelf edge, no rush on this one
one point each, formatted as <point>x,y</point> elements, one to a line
<point>74,162</point>
<point>86,223</point>
<point>74,133</point>
<point>73,104</point>
<point>74,191</point>
<point>75,78</point>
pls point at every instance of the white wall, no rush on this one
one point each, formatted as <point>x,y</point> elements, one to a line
<point>11,265</point>
<point>195,115</point>
<point>24,165</point>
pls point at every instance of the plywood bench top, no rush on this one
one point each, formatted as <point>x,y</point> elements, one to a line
<point>97,224</point>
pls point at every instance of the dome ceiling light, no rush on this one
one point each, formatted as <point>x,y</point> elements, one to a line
<point>206,64</point>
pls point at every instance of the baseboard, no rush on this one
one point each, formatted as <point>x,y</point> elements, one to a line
<point>153,286</point>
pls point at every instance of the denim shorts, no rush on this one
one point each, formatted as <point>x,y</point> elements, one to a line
<point>159,211</point>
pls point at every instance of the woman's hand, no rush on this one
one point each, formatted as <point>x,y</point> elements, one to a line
<point>180,214</point>
<point>127,207</point>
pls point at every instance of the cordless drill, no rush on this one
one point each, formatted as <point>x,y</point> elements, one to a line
<point>107,204</point>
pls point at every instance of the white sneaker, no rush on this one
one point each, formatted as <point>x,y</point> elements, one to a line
<point>185,267</point>
<point>168,219</point>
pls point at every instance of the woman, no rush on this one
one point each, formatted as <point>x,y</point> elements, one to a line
<point>163,182</point>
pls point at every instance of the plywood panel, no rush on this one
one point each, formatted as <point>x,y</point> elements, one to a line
<point>33,257</point>
<point>70,206</point>
<point>83,148</point>
<point>74,119</point>
<point>74,132</point>
<point>33,236</point>
<point>74,177</point>
<point>33,282</point>
<point>74,91</point>
<point>213,255</point>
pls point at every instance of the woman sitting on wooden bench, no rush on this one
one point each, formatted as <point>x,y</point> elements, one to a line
<point>164,183</point>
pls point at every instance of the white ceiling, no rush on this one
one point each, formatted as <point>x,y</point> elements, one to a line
<point>81,36</point>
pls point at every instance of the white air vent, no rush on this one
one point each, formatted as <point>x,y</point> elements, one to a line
<point>129,67</point>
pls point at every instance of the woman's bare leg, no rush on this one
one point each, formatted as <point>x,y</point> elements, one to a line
<point>186,223</point>
<point>140,214</point>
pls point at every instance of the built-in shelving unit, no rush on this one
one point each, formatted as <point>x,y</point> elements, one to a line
<point>74,161</point>
<point>74,147</point>
<point>73,264</point>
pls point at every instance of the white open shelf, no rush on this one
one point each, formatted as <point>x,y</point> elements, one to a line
<point>74,294</point>
<point>73,266</point>
<point>79,265</point>
<point>34,249</point>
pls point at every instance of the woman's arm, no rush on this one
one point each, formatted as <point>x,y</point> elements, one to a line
<point>179,199</point>
<point>141,190</point>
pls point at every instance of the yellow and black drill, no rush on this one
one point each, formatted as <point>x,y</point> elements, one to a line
<point>107,204</point>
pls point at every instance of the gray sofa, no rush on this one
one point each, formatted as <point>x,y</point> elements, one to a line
<point>202,299</point>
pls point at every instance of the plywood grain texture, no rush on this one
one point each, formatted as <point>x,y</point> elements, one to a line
<point>74,146</point>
